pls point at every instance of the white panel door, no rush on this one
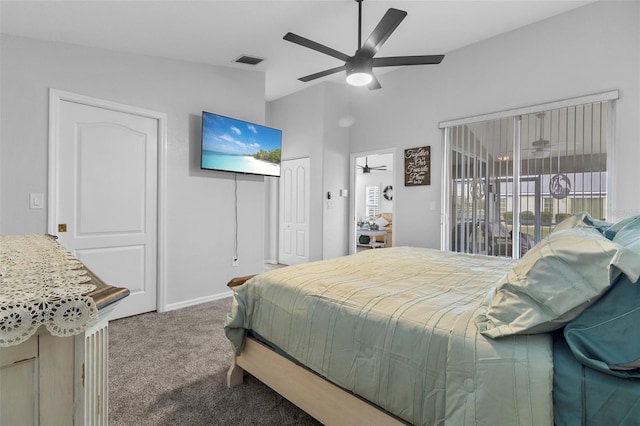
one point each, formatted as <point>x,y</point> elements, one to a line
<point>294,211</point>
<point>105,192</point>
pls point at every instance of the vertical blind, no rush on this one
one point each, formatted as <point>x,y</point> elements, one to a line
<point>526,172</point>
<point>372,202</point>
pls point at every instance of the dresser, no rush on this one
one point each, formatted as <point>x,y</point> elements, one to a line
<point>50,375</point>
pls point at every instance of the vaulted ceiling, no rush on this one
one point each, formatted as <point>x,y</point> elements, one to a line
<point>217,32</point>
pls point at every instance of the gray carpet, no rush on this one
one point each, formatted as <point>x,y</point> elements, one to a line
<point>170,369</point>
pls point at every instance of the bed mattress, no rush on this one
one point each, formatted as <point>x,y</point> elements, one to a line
<point>396,327</point>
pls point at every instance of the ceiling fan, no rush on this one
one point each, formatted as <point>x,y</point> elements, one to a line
<point>359,66</point>
<point>541,146</point>
<point>367,169</point>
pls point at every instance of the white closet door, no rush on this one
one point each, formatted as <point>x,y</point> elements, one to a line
<point>294,211</point>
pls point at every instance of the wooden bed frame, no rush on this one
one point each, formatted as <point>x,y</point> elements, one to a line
<point>320,398</point>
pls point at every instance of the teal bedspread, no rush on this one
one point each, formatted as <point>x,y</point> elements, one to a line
<point>395,326</point>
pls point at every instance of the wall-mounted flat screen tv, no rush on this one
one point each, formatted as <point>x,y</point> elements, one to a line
<point>233,145</point>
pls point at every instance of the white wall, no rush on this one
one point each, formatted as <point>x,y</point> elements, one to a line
<point>335,172</point>
<point>311,127</point>
<point>299,117</point>
<point>589,50</point>
<point>199,215</point>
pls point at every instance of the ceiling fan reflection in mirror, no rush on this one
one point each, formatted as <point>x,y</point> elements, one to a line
<point>359,67</point>
<point>367,169</point>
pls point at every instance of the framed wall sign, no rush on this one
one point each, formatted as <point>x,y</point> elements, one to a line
<point>417,166</point>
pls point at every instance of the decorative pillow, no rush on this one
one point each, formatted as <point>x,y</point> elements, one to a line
<point>604,336</point>
<point>626,232</point>
<point>581,220</point>
<point>381,221</point>
<point>555,281</point>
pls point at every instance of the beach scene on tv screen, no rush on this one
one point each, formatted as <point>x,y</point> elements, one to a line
<point>238,146</point>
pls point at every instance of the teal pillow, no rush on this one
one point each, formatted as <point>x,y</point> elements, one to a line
<point>628,235</point>
<point>555,281</point>
<point>612,230</point>
<point>605,336</point>
<point>582,220</point>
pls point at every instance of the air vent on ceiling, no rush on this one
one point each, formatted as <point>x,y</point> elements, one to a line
<point>249,60</point>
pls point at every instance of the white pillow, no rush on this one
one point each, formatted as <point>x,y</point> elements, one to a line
<point>381,221</point>
<point>555,281</point>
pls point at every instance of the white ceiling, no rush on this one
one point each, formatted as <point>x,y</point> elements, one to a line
<point>217,32</point>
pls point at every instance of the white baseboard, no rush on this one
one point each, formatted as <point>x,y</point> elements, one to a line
<point>193,302</point>
<point>271,262</point>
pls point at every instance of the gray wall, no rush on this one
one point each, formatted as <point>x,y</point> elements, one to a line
<point>335,172</point>
<point>312,126</point>
<point>589,50</point>
<point>300,117</point>
<point>199,204</point>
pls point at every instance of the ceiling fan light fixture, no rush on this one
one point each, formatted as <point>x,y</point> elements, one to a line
<point>359,71</point>
<point>359,78</point>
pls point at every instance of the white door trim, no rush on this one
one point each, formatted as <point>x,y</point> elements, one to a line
<point>55,99</point>
<point>352,189</point>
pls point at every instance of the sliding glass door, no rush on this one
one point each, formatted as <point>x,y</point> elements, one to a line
<point>523,173</point>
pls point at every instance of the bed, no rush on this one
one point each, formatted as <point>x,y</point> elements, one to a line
<point>411,335</point>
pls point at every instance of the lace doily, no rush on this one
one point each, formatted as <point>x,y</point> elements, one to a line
<point>41,283</point>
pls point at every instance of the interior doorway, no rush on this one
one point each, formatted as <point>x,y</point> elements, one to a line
<point>372,200</point>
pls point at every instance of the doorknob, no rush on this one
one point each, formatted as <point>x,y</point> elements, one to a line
<point>62,227</point>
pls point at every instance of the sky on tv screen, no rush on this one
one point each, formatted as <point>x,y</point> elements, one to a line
<point>236,137</point>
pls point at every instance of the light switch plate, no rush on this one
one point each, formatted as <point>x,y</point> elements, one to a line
<point>36,200</point>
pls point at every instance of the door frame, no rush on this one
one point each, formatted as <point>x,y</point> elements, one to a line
<point>56,97</point>
<point>352,189</point>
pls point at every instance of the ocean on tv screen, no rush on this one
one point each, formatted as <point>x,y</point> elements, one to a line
<point>238,163</point>
<point>234,145</point>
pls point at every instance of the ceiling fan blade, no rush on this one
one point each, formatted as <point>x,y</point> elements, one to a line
<point>322,73</point>
<point>294,38</point>
<point>392,61</point>
<point>375,84</point>
<point>382,31</point>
